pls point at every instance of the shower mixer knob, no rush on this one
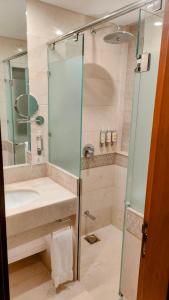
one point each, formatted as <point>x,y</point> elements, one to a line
<point>88,151</point>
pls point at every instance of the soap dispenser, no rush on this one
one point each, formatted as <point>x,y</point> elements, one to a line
<point>39,141</point>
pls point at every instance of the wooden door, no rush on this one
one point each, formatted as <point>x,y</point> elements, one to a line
<point>154,266</point>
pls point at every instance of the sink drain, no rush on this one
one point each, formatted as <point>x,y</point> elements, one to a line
<point>92,239</point>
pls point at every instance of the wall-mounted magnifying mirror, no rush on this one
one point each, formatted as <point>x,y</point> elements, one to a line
<point>26,106</point>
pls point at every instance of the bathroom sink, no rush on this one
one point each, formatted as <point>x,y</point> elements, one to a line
<point>18,198</point>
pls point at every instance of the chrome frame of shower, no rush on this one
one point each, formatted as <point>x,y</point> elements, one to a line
<point>115,14</point>
<point>14,56</point>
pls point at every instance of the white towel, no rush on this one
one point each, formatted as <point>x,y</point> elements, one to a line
<point>62,256</point>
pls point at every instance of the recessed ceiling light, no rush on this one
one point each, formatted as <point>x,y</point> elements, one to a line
<point>58,32</point>
<point>20,49</point>
<point>150,5</point>
<point>158,23</point>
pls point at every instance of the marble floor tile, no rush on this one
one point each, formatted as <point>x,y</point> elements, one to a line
<point>100,273</point>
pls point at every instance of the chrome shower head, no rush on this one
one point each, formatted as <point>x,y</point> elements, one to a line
<point>118,37</point>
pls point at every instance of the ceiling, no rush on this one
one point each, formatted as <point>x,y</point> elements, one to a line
<point>13,18</point>
<point>97,8</point>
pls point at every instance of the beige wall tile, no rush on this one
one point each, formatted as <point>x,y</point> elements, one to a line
<point>97,178</point>
<point>100,92</point>
<point>104,88</point>
<point>103,194</point>
<point>64,178</point>
<point>129,88</point>
<point>23,172</point>
<point>103,218</point>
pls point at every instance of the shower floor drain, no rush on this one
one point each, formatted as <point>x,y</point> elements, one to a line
<point>92,239</point>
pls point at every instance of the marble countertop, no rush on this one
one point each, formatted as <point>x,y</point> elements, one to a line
<point>49,191</point>
<point>55,202</point>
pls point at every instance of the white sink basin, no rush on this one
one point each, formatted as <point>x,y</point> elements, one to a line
<point>18,198</point>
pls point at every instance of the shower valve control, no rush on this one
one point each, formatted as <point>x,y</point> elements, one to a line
<point>88,151</point>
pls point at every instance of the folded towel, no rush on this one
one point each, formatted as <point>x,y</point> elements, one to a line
<point>62,256</point>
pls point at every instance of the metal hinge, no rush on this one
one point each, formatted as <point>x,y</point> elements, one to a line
<point>143,62</point>
<point>144,239</point>
<point>76,37</point>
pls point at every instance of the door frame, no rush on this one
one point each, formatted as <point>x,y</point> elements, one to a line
<point>154,265</point>
<point>4,280</point>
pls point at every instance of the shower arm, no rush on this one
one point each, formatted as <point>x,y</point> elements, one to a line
<point>94,30</point>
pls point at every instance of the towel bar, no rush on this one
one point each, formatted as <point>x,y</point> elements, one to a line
<point>64,220</point>
<point>38,232</point>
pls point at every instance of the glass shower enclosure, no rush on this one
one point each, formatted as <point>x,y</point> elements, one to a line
<point>149,42</point>
<point>143,108</point>
<point>65,81</point>
<point>65,77</point>
<point>65,103</point>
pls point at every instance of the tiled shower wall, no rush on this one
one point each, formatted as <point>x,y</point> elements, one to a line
<point>104,87</point>
<point>103,193</point>
<point>108,88</point>
<point>129,88</point>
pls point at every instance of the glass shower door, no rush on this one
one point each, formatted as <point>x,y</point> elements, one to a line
<point>150,32</point>
<point>149,41</point>
<point>65,103</point>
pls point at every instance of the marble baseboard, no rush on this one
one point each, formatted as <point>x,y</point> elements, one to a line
<point>134,221</point>
<point>115,158</point>
<point>121,159</point>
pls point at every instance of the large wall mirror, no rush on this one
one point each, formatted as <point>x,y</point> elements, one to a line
<point>14,81</point>
<point>15,132</point>
<point>17,106</point>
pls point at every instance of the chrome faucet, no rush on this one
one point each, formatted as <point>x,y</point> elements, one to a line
<point>89,215</point>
